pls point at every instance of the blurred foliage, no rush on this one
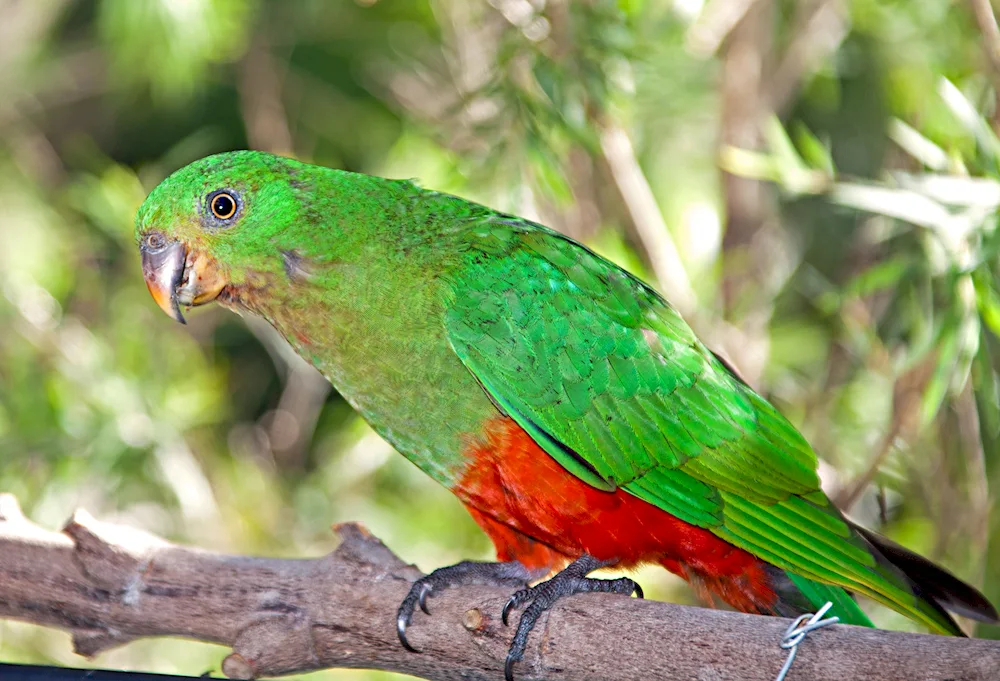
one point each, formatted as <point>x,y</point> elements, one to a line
<point>883,301</point>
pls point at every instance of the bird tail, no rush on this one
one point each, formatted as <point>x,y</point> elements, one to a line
<point>798,595</point>
<point>935,591</point>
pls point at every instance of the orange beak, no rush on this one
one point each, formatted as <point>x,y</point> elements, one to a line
<point>176,276</point>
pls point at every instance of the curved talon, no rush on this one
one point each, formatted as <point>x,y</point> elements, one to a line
<point>508,669</point>
<point>539,598</point>
<point>425,589</point>
<point>401,623</point>
<point>506,610</point>
<point>512,603</point>
<point>466,572</point>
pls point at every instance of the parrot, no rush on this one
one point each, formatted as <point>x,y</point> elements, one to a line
<point>565,402</point>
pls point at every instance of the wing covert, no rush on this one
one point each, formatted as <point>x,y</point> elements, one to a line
<point>611,382</point>
<point>583,354</point>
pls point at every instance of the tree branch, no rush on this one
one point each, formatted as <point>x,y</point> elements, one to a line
<point>109,585</point>
<point>818,33</point>
<point>647,218</point>
<point>987,22</point>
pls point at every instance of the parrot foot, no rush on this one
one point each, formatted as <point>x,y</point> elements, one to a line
<point>572,580</point>
<point>511,573</point>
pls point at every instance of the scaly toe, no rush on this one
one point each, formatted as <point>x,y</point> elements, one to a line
<point>468,572</point>
<point>518,599</point>
<point>572,580</point>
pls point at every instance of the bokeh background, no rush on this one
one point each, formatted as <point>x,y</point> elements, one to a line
<point>813,182</point>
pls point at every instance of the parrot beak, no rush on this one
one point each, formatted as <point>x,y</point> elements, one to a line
<point>163,269</point>
<point>176,276</point>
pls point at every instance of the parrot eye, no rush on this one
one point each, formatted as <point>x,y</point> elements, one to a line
<point>224,204</point>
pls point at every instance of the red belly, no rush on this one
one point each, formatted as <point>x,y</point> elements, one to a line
<point>537,512</point>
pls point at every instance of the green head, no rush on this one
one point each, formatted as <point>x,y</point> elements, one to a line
<point>219,224</point>
<point>257,231</point>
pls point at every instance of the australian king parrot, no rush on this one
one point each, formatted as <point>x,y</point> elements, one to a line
<point>565,402</point>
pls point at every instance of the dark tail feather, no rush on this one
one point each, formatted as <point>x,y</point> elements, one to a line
<point>798,595</point>
<point>933,581</point>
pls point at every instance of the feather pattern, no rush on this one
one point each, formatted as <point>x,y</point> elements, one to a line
<point>612,383</point>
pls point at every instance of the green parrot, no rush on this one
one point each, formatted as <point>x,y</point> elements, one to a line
<point>566,403</point>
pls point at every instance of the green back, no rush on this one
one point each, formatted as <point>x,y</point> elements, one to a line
<point>613,384</point>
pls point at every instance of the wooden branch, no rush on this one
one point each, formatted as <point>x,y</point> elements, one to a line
<point>818,33</point>
<point>747,253</point>
<point>109,585</point>
<point>987,22</point>
<point>647,218</point>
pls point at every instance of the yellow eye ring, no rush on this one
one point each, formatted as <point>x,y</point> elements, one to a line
<point>223,205</point>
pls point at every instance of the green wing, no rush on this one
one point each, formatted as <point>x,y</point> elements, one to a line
<point>613,384</point>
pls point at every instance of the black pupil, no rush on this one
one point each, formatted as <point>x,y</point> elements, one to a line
<point>223,206</point>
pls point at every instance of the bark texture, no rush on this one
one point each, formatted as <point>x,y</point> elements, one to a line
<point>109,585</point>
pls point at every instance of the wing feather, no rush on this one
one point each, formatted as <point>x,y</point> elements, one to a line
<point>612,383</point>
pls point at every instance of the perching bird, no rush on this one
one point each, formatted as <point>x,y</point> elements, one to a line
<point>566,403</point>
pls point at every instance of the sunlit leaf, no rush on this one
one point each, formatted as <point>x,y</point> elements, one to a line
<point>170,44</point>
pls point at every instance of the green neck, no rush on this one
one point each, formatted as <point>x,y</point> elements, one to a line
<point>363,300</point>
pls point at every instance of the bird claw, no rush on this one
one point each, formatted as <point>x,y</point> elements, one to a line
<point>422,598</point>
<point>467,572</point>
<point>402,621</point>
<point>572,580</point>
<point>541,597</point>
<point>516,600</point>
<point>508,668</point>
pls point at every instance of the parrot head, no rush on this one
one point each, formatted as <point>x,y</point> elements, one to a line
<point>215,226</point>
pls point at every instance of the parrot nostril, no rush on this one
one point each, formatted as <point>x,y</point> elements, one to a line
<point>155,242</point>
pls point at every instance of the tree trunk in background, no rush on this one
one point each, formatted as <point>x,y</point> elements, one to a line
<point>745,63</point>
